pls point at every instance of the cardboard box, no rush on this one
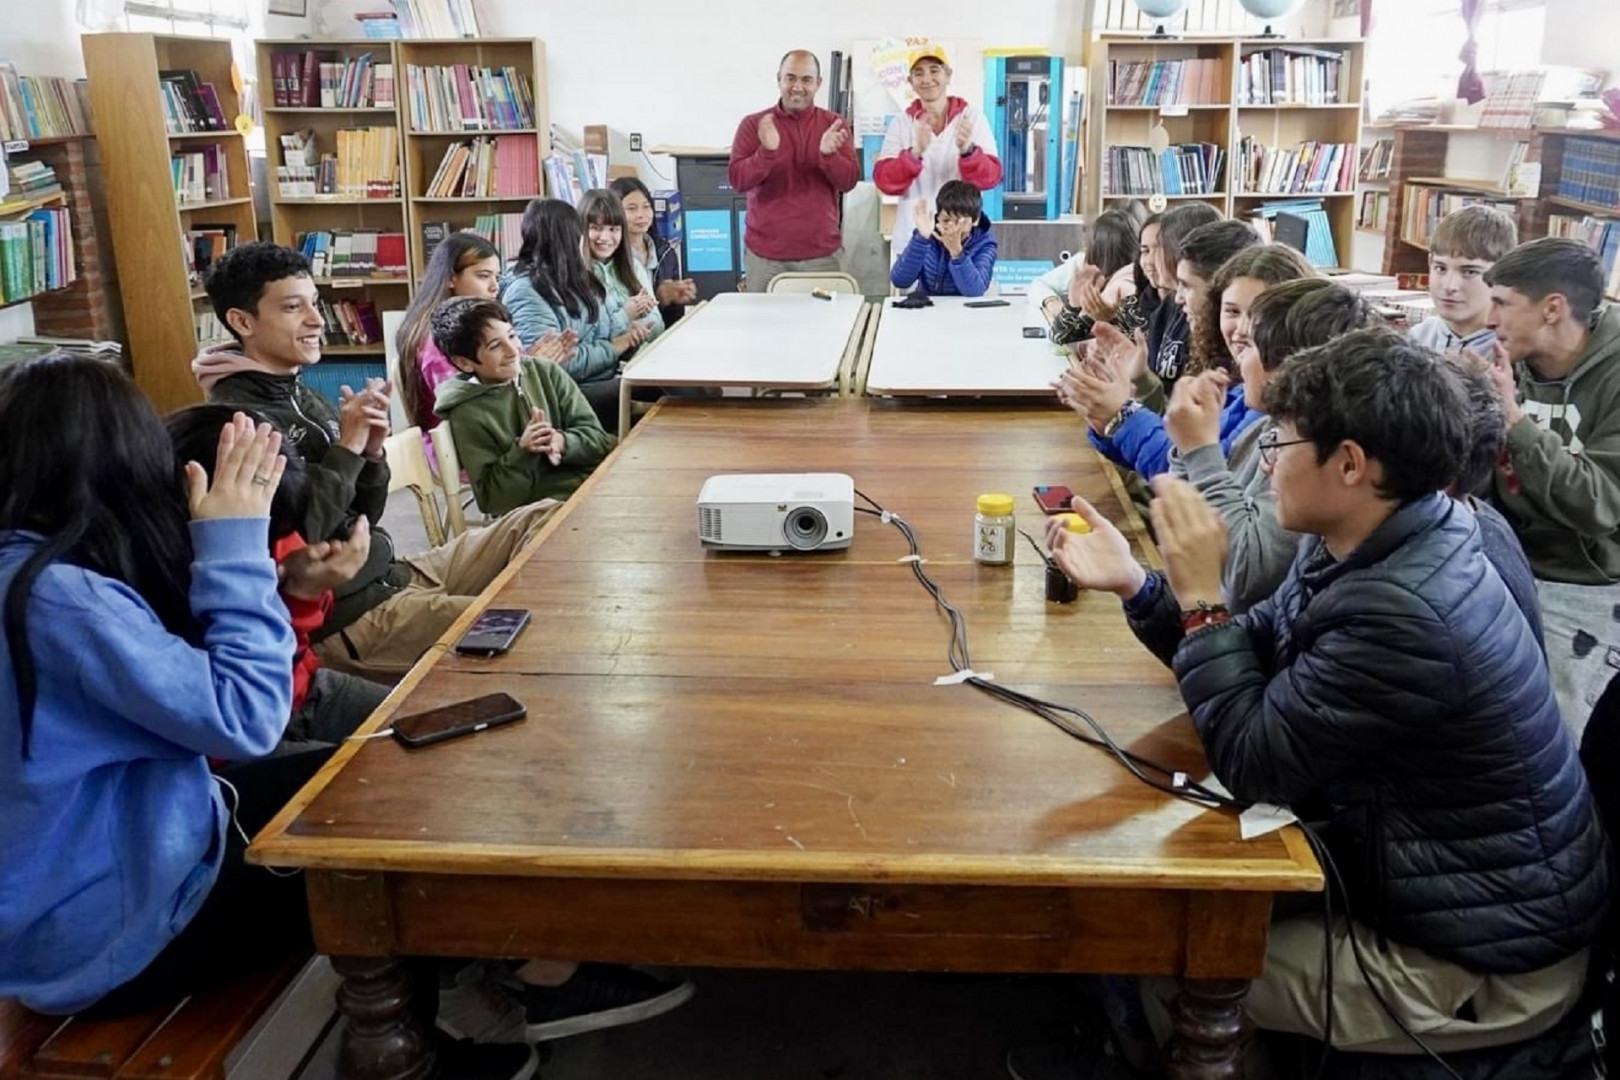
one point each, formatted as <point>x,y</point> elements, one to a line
<point>596,138</point>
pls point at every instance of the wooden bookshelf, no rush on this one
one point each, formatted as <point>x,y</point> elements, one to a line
<point>1225,122</point>
<point>147,221</point>
<point>424,150</point>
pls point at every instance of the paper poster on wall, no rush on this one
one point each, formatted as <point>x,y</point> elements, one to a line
<point>1015,275</point>
<point>708,241</point>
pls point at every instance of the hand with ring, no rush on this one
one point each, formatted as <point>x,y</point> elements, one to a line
<point>247,468</point>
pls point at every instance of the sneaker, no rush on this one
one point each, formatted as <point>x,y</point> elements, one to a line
<point>598,996</point>
<point>473,1004</point>
<point>463,1059</point>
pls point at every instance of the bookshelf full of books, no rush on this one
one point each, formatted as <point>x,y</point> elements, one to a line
<point>1238,123</point>
<point>36,234</point>
<point>175,171</point>
<point>477,138</point>
<point>331,128</point>
<point>1427,201</point>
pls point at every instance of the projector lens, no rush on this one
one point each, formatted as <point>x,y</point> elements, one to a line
<point>806,528</point>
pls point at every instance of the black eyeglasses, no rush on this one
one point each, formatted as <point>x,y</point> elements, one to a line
<point>1271,442</point>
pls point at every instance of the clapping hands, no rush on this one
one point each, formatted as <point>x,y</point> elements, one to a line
<point>247,467</point>
<point>363,422</point>
<point>539,437</point>
<point>834,138</point>
<point>1099,559</point>
<point>1193,418</point>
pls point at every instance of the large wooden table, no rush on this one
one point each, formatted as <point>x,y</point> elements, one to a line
<point>740,760</point>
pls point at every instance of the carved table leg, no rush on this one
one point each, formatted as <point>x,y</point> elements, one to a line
<point>382,1039</point>
<point>1208,1038</point>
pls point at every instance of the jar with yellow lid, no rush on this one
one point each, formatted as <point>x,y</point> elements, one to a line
<point>994,530</point>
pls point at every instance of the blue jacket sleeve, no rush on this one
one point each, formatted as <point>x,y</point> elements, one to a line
<point>909,267</point>
<point>532,317</point>
<point>596,358</point>
<point>972,271</point>
<point>1142,444</point>
<point>1236,418</point>
<point>229,697</point>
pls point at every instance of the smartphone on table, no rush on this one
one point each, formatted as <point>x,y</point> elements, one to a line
<point>493,632</point>
<point>461,718</point>
<point>987,303</point>
<point>1053,498</point>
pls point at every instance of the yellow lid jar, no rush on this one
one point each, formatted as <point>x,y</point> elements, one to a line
<point>994,530</point>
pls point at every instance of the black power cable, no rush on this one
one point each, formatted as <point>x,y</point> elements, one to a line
<point>1150,772</point>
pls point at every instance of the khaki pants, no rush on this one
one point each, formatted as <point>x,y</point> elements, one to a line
<point>386,641</point>
<point>761,270</point>
<point>1426,992</point>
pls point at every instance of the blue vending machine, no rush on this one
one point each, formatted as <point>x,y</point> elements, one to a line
<point>1024,96</point>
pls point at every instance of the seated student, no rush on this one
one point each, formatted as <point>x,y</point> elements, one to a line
<point>388,615</point>
<point>551,289</point>
<point>463,264</point>
<point>1104,288</point>
<point>1465,245</point>
<point>522,428</point>
<point>1265,294</point>
<point>951,251</point>
<point>1101,390</point>
<point>143,636</point>
<point>1392,686</point>
<point>625,279</point>
<point>327,705</point>
<point>1558,484</point>
<point>1167,337</point>
<point>657,256</point>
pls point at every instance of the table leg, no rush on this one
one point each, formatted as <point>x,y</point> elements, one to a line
<point>1208,1028</point>
<point>382,1038</point>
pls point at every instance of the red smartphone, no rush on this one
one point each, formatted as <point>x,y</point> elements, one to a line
<point>1053,498</point>
<point>462,718</point>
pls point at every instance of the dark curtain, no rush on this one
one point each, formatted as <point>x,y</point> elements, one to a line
<point>1471,88</point>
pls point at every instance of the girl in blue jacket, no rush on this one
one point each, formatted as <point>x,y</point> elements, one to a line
<point>143,637</point>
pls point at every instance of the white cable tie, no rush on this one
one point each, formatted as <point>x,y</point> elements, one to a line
<point>886,517</point>
<point>1178,781</point>
<point>911,558</point>
<point>959,677</point>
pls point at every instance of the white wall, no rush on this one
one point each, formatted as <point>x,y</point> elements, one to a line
<point>1582,33</point>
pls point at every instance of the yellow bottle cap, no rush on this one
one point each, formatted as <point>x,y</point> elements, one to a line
<point>995,505</point>
<point>1076,524</point>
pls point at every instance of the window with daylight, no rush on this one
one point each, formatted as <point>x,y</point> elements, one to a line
<point>1413,49</point>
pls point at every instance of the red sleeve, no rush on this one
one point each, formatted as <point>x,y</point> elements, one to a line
<point>751,163</point>
<point>893,175</point>
<point>981,169</point>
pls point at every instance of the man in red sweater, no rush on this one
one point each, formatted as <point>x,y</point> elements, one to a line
<point>794,162</point>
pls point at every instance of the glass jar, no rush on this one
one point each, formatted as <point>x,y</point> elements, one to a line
<point>994,530</point>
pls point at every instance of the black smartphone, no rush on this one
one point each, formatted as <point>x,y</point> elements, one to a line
<point>493,632</point>
<point>462,718</point>
<point>988,303</point>
<point>1035,331</point>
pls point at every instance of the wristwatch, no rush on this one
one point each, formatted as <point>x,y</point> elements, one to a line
<point>1126,411</point>
<point>1205,614</point>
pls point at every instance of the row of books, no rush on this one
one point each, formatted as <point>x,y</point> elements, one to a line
<point>199,175</point>
<point>506,166</point>
<point>1377,159</point>
<point>1293,76</point>
<point>436,18</point>
<point>189,104</point>
<point>1319,248</point>
<point>209,330</point>
<point>355,253</point>
<point>205,245</point>
<point>1311,168</point>
<point>504,231</point>
<point>40,106</point>
<point>1167,82</point>
<point>463,97</point>
<point>30,180</point>
<point>1373,213</point>
<point>364,166</point>
<point>313,80</point>
<point>1591,172</point>
<point>36,254</point>
<point>1188,169</point>
<point>351,322</point>
<point>1423,207</point>
<point>571,173</point>
<point>1602,235</point>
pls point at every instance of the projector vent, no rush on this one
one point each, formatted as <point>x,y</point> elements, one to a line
<point>709,524</point>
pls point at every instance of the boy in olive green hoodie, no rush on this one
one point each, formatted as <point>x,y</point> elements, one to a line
<point>522,428</point>
<point>1557,369</point>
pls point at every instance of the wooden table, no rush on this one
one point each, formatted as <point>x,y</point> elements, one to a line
<point>740,760</point>
<point>776,341</point>
<point>951,349</point>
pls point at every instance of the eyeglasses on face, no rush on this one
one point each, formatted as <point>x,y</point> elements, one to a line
<point>1271,442</point>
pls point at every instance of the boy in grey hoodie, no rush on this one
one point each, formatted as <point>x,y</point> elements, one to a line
<point>1557,370</point>
<point>1464,247</point>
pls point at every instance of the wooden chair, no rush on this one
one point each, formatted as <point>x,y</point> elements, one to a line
<point>456,496</point>
<point>408,468</point>
<point>188,1041</point>
<point>391,322</point>
<point>801,282</point>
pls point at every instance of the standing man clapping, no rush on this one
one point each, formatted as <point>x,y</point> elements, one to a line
<point>793,161</point>
<point>937,139</point>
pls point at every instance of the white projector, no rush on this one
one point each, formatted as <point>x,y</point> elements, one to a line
<point>777,512</point>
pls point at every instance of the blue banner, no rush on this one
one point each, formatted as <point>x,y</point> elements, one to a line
<point>708,242</point>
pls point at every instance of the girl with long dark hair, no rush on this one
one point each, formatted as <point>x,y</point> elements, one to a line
<point>661,259</point>
<point>143,637</point>
<point>551,289</point>
<point>1104,288</point>
<point>606,229</point>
